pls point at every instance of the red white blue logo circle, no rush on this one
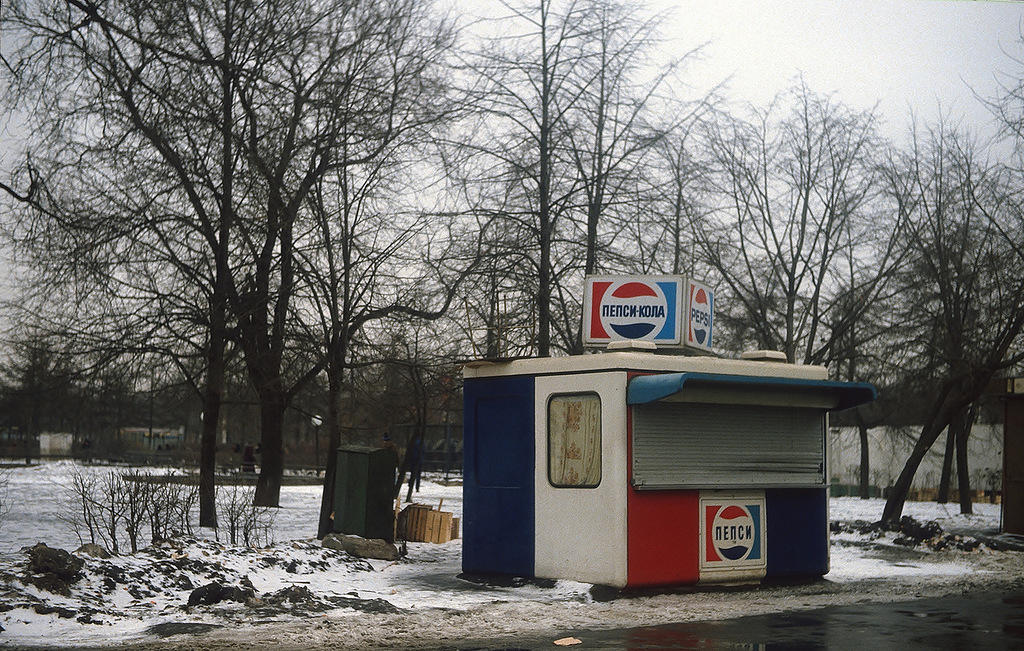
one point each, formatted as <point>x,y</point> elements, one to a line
<point>634,310</point>
<point>700,315</point>
<point>734,533</point>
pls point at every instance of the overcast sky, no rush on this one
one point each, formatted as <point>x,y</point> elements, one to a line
<point>903,54</point>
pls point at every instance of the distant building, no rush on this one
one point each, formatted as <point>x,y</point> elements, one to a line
<point>144,438</point>
<point>56,444</point>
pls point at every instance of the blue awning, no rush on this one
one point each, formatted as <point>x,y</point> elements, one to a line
<point>651,388</point>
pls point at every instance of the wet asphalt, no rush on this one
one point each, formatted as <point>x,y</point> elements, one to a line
<point>970,621</point>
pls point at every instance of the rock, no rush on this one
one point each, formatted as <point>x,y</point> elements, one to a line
<point>919,531</point>
<point>167,629</point>
<point>362,547</point>
<point>214,593</point>
<point>53,570</point>
<point>51,583</point>
<point>364,605</point>
<point>63,613</point>
<point>295,594</point>
<point>333,541</point>
<point>92,549</point>
<point>43,559</point>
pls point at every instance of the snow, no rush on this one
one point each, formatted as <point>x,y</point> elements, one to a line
<point>847,509</point>
<point>135,599</point>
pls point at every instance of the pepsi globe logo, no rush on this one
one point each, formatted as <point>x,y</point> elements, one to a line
<point>734,532</point>
<point>700,316</point>
<point>633,310</point>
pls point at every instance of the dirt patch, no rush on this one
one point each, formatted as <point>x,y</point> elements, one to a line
<point>167,629</point>
<point>911,533</point>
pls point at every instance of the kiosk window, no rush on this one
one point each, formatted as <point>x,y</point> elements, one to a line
<point>574,440</point>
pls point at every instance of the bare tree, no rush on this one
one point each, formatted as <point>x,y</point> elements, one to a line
<point>679,195</point>
<point>136,493</point>
<point>80,508</point>
<point>608,130</point>
<point>527,88</point>
<point>963,286</point>
<point>788,188</point>
<point>368,245</point>
<point>218,121</point>
<point>141,206</point>
<point>566,91</point>
<point>377,82</point>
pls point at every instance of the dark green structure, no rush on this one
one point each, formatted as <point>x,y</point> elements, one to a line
<point>363,492</point>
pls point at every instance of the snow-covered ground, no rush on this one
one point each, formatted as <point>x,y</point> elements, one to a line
<point>306,595</point>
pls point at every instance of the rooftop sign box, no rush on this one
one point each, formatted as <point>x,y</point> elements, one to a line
<point>669,311</point>
<point>700,303</point>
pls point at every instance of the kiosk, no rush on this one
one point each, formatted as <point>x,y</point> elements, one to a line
<point>641,469</point>
<point>634,468</point>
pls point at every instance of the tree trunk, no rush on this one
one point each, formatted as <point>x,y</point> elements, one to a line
<point>954,397</point>
<point>947,467</point>
<point>268,486</point>
<point>544,217</point>
<point>218,304</point>
<point>208,443</point>
<point>491,334</point>
<point>943,409</point>
<point>326,522</point>
<point>544,291</point>
<point>963,432</point>
<point>865,462</point>
<point>898,493</point>
<point>593,216</point>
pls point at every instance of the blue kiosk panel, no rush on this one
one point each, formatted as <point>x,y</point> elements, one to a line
<point>498,475</point>
<point>797,525</point>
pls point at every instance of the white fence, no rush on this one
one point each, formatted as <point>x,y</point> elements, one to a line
<point>889,448</point>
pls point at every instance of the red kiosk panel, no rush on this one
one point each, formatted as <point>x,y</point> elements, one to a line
<point>662,537</point>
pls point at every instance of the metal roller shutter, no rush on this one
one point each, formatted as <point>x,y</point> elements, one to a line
<point>693,445</point>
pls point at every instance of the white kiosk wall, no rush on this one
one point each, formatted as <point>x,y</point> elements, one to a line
<point>581,531</point>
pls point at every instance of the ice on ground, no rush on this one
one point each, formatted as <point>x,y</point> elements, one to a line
<point>855,563</point>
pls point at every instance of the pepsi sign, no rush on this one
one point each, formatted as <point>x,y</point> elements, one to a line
<point>732,533</point>
<point>700,301</point>
<point>617,308</point>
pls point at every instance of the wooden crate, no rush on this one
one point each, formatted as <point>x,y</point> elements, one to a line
<point>425,524</point>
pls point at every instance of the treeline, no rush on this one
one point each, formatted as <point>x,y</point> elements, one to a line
<point>302,194</point>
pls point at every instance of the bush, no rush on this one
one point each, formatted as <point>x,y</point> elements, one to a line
<point>117,507</point>
<point>245,523</point>
<point>5,504</point>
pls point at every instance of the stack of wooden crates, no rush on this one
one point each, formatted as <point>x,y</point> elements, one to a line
<point>422,523</point>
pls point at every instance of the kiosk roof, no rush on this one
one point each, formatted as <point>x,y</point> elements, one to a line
<point>642,362</point>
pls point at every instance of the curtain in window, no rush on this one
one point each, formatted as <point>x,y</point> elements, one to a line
<point>574,440</point>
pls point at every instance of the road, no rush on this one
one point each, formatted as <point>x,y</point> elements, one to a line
<point>971,621</point>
